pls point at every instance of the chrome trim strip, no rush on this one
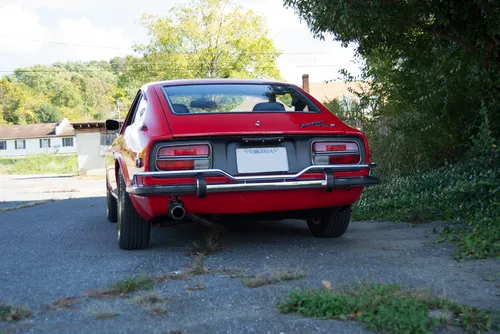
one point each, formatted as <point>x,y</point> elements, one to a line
<point>219,172</point>
<point>214,188</point>
<point>190,189</point>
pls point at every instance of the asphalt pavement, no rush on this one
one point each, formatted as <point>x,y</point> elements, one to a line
<point>67,247</point>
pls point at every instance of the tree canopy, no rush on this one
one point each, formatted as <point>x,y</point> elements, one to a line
<point>207,39</point>
<point>434,66</point>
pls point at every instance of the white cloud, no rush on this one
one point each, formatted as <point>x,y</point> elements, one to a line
<point>53,3</point>
<point>82,31</point>
<point>19,26</point>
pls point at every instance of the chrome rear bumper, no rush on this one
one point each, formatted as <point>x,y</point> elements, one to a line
<point>251,183</point>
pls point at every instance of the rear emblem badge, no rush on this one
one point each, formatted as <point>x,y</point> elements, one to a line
<point>315,123</point>
<point>257,123</point>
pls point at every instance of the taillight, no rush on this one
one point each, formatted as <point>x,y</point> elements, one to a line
<point>335,153</point>
<point>183,157</point>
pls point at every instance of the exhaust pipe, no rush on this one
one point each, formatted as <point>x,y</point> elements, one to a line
<point>176,210</point>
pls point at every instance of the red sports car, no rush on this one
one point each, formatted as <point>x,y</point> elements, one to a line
<point>212,149</point>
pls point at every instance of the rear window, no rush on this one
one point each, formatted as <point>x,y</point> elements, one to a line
<point>233,98</point>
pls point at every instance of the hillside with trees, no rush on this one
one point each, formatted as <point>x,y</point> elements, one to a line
<point>200,39</point>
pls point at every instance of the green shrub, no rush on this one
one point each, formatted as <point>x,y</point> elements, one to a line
<point>466,195</point>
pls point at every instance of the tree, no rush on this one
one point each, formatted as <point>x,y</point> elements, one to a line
<point>206,39</point>
<point>433,64</point>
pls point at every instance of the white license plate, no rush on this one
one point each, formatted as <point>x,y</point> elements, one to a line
<point>261,160</point>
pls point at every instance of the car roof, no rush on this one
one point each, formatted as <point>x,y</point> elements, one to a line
<point>210,81</point>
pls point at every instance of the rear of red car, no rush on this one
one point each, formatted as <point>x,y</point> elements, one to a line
<point>253,149</point>
<point>250,162</point>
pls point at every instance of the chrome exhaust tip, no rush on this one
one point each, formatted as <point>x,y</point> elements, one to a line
<point>176,210</point>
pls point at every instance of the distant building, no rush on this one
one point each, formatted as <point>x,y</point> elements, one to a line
<point>93,142</point>
<point>328,91</point>
<point>30,139</point>
<point>88,140</point>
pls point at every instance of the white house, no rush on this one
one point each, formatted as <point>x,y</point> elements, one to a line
<point>30,139</point>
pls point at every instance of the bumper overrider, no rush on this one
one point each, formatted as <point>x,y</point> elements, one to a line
<point>252,183</point>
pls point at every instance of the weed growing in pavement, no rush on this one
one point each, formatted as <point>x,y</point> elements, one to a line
<point>208,246</point>
<point>197,266</point>
<point>152,303</point>
<point>121,289</point>
<point>68,303</point>
<point>106,315</point>
<point>13,313</point>
<point>195,287</point>
<point>386,308</point>
<point>275,276</point>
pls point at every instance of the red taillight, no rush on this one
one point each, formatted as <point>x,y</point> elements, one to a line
<point>183,157</point>
<point>175,164</point>
<point>335,153</point>
<point>334,147</point>
<point>185,150</point>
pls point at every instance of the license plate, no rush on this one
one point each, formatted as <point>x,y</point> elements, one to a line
<point>261,160</point>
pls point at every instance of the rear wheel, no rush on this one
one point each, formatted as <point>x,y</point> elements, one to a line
<point>111,205</point>
<point>133,231</point>
<point>330,225</point>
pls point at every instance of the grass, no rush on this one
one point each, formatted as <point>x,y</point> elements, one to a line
<point>40,164</point>
<point>387,308</point>
<point>68,303</point>
<point>26,205</point>
<point>106,315</point>
<point>122,288</point>
<point>275,276</point>
<point>208,246</point>
<point>13,313</point>
<point>197,266</point>
<point>152,303</point>
<point>196,287</point>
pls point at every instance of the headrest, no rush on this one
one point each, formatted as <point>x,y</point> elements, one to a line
<point>269,106</point>
<point>203,104</point>
<point>180,108</point>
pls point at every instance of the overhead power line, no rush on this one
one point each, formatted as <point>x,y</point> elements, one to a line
<point>131,49</point>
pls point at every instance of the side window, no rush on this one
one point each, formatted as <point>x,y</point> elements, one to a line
<point>129,120</point>
<point>140,111</point>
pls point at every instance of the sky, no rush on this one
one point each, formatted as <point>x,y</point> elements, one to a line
<point>102,29</point>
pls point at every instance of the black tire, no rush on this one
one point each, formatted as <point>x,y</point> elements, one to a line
<point>111,205</point>
<point>330,225</point>
<point>133,231</point>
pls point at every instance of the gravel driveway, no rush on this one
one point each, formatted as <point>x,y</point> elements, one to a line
<point>67,247</point>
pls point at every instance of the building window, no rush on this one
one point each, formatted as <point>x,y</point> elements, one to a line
<point>44,143</point>
<point>3,145</point>
<point>20,144</point>
<point>107,139</point>
<point>67,142</point>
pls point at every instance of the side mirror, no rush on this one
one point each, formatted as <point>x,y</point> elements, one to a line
<point>112,125</point>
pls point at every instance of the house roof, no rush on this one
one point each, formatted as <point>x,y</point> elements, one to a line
<point>327,91</point>
<point>44,130</point>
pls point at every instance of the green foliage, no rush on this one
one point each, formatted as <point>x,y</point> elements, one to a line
<point>40,164</point>
<point>433,67</point>
<point>13,313</point>
<point>206,39</point>
<point>132,285</point>
<point>466,194</point>
<point>386,308</point>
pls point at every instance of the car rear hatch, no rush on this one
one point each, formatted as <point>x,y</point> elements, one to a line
<point>251,123</point>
